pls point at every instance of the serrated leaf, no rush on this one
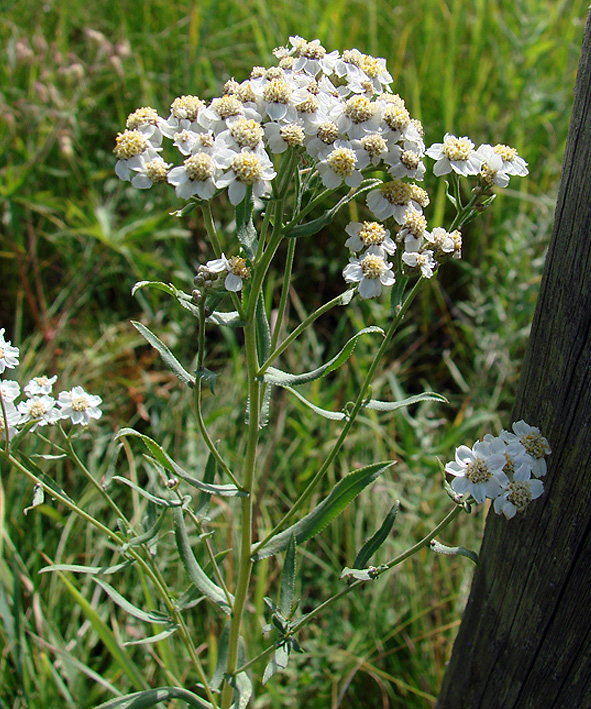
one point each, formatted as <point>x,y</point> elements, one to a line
<point>198,577</point>
<point>340,496</point>
<point>288,579</point>
<point>165,460</point>
<point>375,542</point>
<point>375,405</point>
<point>331,415</point>
<point>168,358</point>
<point>38,497</point>
<point>128,607</point>
<point>78,569</point>
<point>285,379</point>
<point>151,697</point>
<point>454,551</point>
<point>314,226</point>
<point>228,319</point>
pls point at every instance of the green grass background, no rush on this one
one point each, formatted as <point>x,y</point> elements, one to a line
<point>74,239</point>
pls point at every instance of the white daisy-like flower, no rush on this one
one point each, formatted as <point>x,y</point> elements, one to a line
<point>371,271</point>
<point>478,471</point>
<point>422,260</point>
<point>13,418</point>
<point>241,133</point>
<point>413,231</point>
<point>195,177</point>
<point>393,199</point>
<point>8,354</point>
<point>147,121</point>
<point>38,386</point>
<point>512,163</point>
<point>9,390</point>
<point>326,134</point>
<point>338,165</point>
<point>519,463</point>
<point>367,234</point>
<point>404,163</point>
<point>130,145</point>
<point>236,269</point>
<point>444,242</point>
<point>149,172</point>
<point>376,70</point>
<point>357,117</point>
<point>530,439</point>
<point>79,406</point>
<point>184,112</point>
<point>244,169</point>
<point>281,137</point>
<point>499,163</point>
<point>517,494</point>
<point>455,154</point>
<point>41,409</point>
<point>372,147</point>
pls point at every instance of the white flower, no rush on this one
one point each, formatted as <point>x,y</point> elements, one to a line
<point>393,199</point>
<point>40,385</point>
<point>404,163</point>
<point>371,272</point>
<point>339,164</point>
<point>149,172</point>
<point>13,418</point>
<point>529,439</point>
<point>517,494</point>
<point>244,169</point>
<point>9,390</point>
<point>367,234</point>
<point>195,177</point>
<point>8,354</point>
<point>130,145</point>
<point>455,154</point>
<point>147,121</point>
<point>40,409</point>
<point>280,137</point>
<point>183,115</point>
<point>445,243</point>
<point>423,260</point>
<point>236,270</point>
<point>79,406</point>
<point>478,472</point>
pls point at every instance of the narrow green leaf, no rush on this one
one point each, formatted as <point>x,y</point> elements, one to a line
<point>375,405</point>
<point>222,659</point>
<point>454,551</point>
<point>161,501</point>
<point>228,319</point>
<point>247,236</point>
<point>158,285</point>
<point>340,496</point>
<point>263,330</point>
<point>107,636</point>
<point>77,569</point>
<point>151,697</point>
<point>207,376</point>
<point>165,460</point>
<point>38,497</point>
<point>372,545</point>
<point>169,359</point>
<point>148,535</point>
<point>331,415</point>
<point>124,604</point>
<point>154,638</point>
<point>288,578</point>
<point>208,478</point>
<point>278,663</point>
<point>195,572</point>
<point>314,226</point>
<point>280,378</point>
<point>396,293</point>
<point>243,687</point>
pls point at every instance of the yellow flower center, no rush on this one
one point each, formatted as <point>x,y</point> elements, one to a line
<point>375,145</point>
<point>186,107</point>
<point>141,117</point>
<point>372,266</point>
<point>37,409</point>
<point>487,174</point>
<point>534,444</point>
<point>457,148</point>
<point>247,167</point>
<point>328,132</point>
<point>157,170</point>
<point>372,233</point>
<point>247,133</point>
<point>508,154</point>
<point>292,134</point>
<point>419,195</point>
<point>415,223</point>
<point>359,109</point>
<point>370,66</point>
<point>199,167</point>
<point>342,161</point>
<point>79,403</point>
<point>396,117</point>
<point>277,91</point>
<point>308,105</point>
<point>245,93</point>
<point>238,267</point>
<point>477,470</point>
<point>129,144</point>
<point>520,494</point>
<point>311,50</point>
<point>409,159</point>
<point>396,192</point>
<point>41,381</point>
<point>226,106</point>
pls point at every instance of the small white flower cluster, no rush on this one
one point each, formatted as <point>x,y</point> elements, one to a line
<point>39,406</point>
<point>341,112</point>
<point>503,468</point>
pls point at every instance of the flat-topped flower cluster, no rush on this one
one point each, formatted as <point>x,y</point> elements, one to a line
<point>340,113</point>
<point>39,406</point>
<point>504,468</point>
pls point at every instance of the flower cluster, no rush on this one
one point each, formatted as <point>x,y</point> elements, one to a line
<point>340,112</point>
<point>39,406</point>
<point>504,468</point>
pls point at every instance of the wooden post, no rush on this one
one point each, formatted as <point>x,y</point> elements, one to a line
<point>525,637</point>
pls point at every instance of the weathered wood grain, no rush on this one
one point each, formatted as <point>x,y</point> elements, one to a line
<point>525,637</point>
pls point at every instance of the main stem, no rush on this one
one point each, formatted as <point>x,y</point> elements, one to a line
<point>245,563</point>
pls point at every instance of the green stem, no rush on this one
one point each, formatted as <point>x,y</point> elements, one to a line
<point>350,420</point>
